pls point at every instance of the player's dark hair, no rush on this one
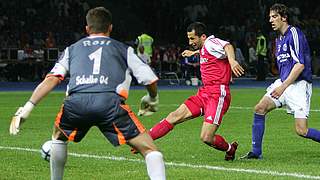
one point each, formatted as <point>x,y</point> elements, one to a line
<point>281,9</point>
<point>198,27</point>
<point>99,19</point>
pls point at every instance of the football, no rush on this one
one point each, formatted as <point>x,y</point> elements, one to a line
<point>45,150</point>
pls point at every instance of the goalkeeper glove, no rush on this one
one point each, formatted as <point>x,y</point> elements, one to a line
<point>20,116</point>
<point>148,105</point>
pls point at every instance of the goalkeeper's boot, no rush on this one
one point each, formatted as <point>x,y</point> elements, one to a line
<point>231,154</point>
<point>251,155</point>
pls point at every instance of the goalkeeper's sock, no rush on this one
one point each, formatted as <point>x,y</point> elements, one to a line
<point>313,134</point>
<point>257,133</point>
<point>58,159</point>
<point>155,165</point>
<point>220,143</point>
<point>160,129</point>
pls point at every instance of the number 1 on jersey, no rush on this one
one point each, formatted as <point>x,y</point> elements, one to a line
<point>96,58</point>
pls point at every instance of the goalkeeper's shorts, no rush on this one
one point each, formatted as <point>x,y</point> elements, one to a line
<point>107,111</point>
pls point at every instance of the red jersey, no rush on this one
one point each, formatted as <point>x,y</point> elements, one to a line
<point>214,65</point>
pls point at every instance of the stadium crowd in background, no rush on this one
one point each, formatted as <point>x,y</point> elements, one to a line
<point>29,22</point>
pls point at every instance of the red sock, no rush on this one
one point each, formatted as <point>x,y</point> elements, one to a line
<point>160,129</point>
<point>219,143</point>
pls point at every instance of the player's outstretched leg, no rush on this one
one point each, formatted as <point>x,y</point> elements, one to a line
<point>157,131</point>
<point>220,144</point>
<point>231,154</point>
<point>58,159</point>
<point>166,125</point>
<point>161,129</point>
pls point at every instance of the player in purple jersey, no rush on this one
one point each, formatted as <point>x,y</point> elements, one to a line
<point>293,89</point>
<point>99,69</point>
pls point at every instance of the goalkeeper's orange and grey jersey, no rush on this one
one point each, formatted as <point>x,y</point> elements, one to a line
<point>101,64</point>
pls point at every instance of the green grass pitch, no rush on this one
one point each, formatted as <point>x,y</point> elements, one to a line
<point>286,155</point>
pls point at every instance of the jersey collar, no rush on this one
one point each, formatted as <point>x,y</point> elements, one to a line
<point>285,33</point>
<point>97,36</point>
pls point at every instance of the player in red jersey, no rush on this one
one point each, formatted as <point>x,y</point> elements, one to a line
<point>217,60</point>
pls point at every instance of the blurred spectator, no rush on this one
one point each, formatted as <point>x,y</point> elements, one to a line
<point>194,12</point>
<point>252,58</point>
<point>85,6</point>
<point>24,39</point>
<point>172,59</point>
<point>272,51</point>
<point>155,60</point>
<point>38,42</point>
<point>50,41</point>
<point>141,53</point>
<point>252,54</point>
<point>261,52</point>
<point>165,61</point>
<point>146,41</point>
<point>295,13</point>
<point>191,67</point>
<point>27,22</point>
<point>239,55</point>
<point>27,51</point>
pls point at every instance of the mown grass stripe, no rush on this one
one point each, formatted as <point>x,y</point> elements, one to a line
<point>184,165</point>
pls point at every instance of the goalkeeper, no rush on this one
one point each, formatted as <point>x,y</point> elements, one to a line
<point>99,69</point>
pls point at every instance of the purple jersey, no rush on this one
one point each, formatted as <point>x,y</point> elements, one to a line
<point>293,48</point>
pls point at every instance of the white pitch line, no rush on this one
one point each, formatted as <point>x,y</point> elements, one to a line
<point>184,165</point>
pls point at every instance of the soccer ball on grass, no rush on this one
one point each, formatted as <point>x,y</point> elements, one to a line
<point>45,150</point>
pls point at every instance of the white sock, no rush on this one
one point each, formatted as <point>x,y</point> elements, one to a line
<point>155,166</point>
<point>58,159</point>
<point>229,148</point>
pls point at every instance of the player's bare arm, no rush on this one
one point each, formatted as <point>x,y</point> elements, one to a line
<point>23,112</point>
<point>44,88</point>
<point>188,53</point>
<point>236,68</point>
<point>152,89</point>
<point>295,72</point>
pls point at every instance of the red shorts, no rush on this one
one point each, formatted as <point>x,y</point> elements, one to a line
<point>211,101</point>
